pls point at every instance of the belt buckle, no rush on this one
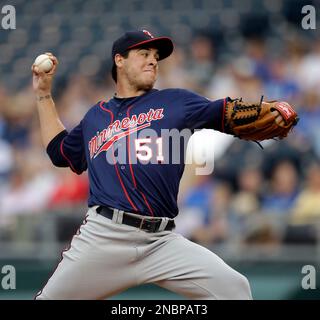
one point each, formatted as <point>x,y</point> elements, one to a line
<point>153,225</point>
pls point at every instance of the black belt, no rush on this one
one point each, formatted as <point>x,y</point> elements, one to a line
<point>150,225</point>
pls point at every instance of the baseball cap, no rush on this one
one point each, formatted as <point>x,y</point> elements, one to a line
<point>135,39</point>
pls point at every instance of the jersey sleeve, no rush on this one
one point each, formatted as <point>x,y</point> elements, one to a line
<point>202,113</point>
<point>67,150</point>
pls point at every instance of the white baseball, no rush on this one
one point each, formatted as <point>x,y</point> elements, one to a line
<point>43,62</point>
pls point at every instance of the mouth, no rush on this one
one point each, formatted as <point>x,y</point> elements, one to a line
<point>149,70</point>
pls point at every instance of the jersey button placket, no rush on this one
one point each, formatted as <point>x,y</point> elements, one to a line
<point>119,114</point>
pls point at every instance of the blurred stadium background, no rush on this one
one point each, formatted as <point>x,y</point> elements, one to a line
<point>259,210</point>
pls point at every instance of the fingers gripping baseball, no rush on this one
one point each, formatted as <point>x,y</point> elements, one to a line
<point>43,72</point>
<point>258,122</point>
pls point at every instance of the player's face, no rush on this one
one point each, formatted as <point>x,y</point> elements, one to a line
<point>141,67</point>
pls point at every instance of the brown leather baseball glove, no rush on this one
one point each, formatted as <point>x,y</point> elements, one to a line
<point>261,121</point>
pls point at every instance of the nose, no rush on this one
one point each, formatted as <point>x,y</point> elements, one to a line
<point>153,61</point>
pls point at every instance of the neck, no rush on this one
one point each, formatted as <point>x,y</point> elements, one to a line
<point>125,90</point>
<point>129,93</point>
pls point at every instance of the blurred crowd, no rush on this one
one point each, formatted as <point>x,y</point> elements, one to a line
<point>255,196</point>
<point>269,196</point>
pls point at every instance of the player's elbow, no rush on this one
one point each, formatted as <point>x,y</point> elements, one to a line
<point>53,150</point>
<point>57,161</point>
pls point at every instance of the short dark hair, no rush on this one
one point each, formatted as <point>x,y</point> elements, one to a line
<point>114,67</point>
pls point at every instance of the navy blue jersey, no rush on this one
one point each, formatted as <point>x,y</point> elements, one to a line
<point>120,142</point>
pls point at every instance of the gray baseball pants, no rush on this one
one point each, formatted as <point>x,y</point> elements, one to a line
<point>106,257</point>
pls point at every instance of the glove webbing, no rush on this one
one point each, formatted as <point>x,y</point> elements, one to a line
<point>240,119</point>
<point>249,118</point>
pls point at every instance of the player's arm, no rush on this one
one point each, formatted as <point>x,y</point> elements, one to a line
<point>64,149</point>
<point>250,121</point>
<point>50,123</point>
<point>67,149</point>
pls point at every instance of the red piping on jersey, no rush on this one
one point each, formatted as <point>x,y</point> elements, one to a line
<point>115,164</point>
<point>223,113</point>
<point>147,203</point>
<point>131,170</point>
<point>103,108</point>
<point>128,145</point>
<point>68,160</point>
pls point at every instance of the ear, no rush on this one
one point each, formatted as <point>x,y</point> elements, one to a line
<point>118,60</point>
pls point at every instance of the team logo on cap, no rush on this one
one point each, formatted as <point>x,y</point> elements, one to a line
<point>148,33</point>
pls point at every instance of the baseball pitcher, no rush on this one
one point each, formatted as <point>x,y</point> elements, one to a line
<point>127,237</point>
